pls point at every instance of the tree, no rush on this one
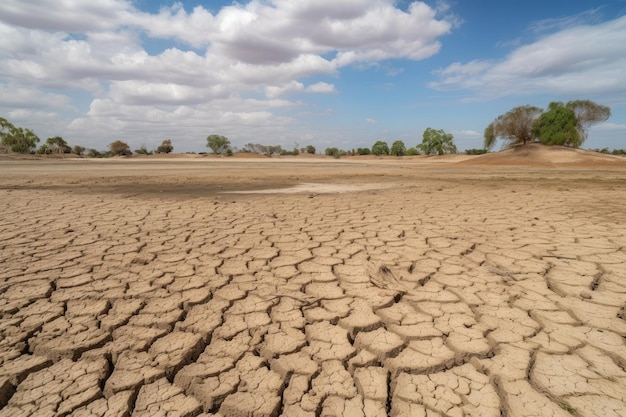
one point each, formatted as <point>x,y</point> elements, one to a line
<point>93,153</point>
<point>412,152</point>
<point>380,148</point>
<point>310,149</point>
<point>515,127</point>
<point>437,142</point>
<point>165,147</point>
<point>255,148</point>
<point>119,148</point>
<point>44,149</point>
<point>218,144</point>
<point>143,150</point>
<point>274,149</point>
<point>16,138</point>
<point>334,152</point>
<point>78,150</point>
<point>587,114</point>
<point>557,126</point>
<point>57,144</point>
<point>363,151</point>
<point>398,148</point>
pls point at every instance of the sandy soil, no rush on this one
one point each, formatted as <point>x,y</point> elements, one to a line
<point>458,286</point>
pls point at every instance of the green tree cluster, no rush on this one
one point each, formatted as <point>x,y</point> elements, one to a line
<point>561,124</point>
<point>557,126</point>
<point>437,142</point>
<point>434,142</point>
<point>380,148</point>
<point>17,139</point>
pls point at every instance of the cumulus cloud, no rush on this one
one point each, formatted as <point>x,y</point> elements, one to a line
<point>298,87</point>
<point>610,126</point>
<point>147,73</point>
<point>66,16</point>
<point>581,60</point>
<point>16,97</point>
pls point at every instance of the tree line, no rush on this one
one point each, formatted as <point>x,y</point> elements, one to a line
<point>434,142</point>
<point>23,140</point>
<point>561,123</point>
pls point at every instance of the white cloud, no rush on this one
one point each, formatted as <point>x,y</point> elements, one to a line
<point>467,132</point>
<point>582,60</point>
<point>370,121</point>
<point>321,87</point>
<point>16,97</point>
<point>65,16</point>
<point>182,70</point>
<point>610,127</point>
<point>560,23</point>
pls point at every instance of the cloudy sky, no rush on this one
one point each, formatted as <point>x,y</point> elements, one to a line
<point>341,73</point>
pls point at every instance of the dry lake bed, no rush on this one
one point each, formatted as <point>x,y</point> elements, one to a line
<point>311,287</point>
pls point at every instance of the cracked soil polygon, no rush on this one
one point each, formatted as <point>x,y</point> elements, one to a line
<point>456,293</point>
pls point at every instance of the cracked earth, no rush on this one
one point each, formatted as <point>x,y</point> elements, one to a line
<point>467,295</point>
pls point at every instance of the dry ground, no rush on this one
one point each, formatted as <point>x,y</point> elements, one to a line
<point>405,287</point>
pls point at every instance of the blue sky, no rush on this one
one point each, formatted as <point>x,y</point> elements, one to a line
<point>321,72</point>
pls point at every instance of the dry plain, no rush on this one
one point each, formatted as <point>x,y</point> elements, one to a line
<point>420,286</point>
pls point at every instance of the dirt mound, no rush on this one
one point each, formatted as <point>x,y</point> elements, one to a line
<point>536,154</point>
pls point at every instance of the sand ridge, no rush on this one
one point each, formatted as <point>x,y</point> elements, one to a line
<point>147,290</point>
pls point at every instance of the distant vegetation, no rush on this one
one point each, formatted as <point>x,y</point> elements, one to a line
<point>474,151</point>
<point>607,151</point>
<point>564,124</point>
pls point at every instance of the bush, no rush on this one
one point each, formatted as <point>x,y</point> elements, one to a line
<point>475,151</point>
<point>143,151</point>
<point>412,152</point>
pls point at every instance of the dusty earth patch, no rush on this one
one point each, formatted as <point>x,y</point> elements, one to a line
<point>133,288</point>
<point>315,188</point>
